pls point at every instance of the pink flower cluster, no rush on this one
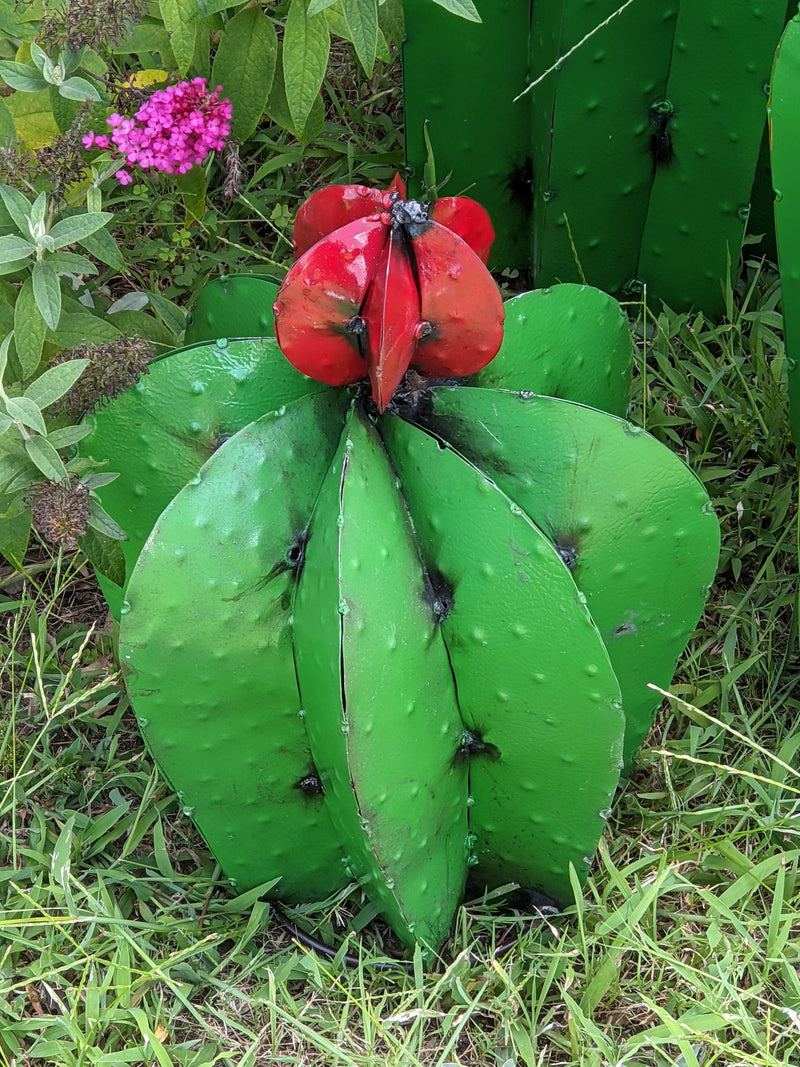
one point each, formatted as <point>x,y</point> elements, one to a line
<point>174,129</point>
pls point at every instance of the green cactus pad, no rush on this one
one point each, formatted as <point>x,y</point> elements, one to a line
<point>164,429</point>
<point>570,341</point>
<point>630,518</point>
<point>379,696</point>
<point>236,305</point>
<point>206,641</point>
<point>535,686</point>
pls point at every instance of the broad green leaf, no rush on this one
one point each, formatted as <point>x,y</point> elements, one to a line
<point>13,266</point>
<point>192,186</point>
<point>46,458</point>
<point>55,382</point>
<point>41,60</point>
<point>8,131</point>
<point>29,330</point>
<point>244,66</point>
<point>78,227</point>
<point>70,263</point>
<point>27,412</point>
<point>79,89</point>
<point>362,21</point>
<point>465,9</point>
<point>103,246</point>
<point>22,76</point>
<point>64,111</point>
<point>100,520</point>
<point>105,555</point>
<point>15,532</point>
<point>33,118</point>
<point>149,35</point>
<point>17,205</point>
<point>278,110</point>
<point>4,346</point>
<point>179,18</point>
<point>38,212</point>
<point>315,6</point>
<point>47,292</point>
<point>146,325</point>
<point>129,302</point>
<point>76,327</point>
<point>390,20</point>
<point>14,248</point>
<point>13,23</point>
<point>306,45</point>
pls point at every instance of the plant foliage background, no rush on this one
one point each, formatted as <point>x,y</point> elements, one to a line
<point>119,940</point>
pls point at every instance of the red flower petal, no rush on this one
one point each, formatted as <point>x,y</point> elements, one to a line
<point>468,219</point>
<point>460,306</point>
<point>318,306</point>
<point>391,313</point>
<point>334,206</point>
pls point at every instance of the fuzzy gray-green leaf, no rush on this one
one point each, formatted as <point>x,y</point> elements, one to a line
<point>47,292</point>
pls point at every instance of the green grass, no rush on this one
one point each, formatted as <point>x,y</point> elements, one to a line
<point>120,942</point>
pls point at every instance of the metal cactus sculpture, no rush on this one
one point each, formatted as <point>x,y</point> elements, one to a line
<point>395,627</point>
<point>631,162</point>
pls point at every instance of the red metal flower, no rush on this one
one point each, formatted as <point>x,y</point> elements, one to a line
<point>382,283</point>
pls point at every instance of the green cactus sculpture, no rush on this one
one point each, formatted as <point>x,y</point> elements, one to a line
<point>399,632</point>
<point>634,157</point>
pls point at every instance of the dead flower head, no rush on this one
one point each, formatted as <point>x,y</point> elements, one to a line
<point>114,366</point>
<point>77,24</point>
<point>61,511</point>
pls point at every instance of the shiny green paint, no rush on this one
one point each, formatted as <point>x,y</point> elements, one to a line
<point>235,305</point>
<point>570,341</point>
<point>700,201</point>
<point>632,519</point>
<point>480,138</point>
<point>379,696</point>
<point>784,115</point>
<point>591,138</point>
<point>160,433</point>
<point>205,640</point>
<point>533,677</point>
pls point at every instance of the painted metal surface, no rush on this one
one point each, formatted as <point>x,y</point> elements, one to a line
<point>699,202</point>
<point>236,305</point>
<point>536,690</point>
<point>570,341</point>
<point>161,432</point>
<point>631,520</point>
<point>460,79</point>
<point>379,696</point>
<point>206,643</point>
<point>784,113</point>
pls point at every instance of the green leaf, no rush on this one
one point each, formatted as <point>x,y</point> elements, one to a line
<point>362,21</point>
<point>179,18</point>
<point>4,346</point>
<point>76,327</point>
<point>46,458</point>
<point>14,248</point>
<point>174,318</point>
<point>78,227</point>
<point>211,7</point>
<point>244,66</point>
<point>27,412</point>
<point>70,263</point>
<point>13,266</point>
<point>278,110</point>
<point>315,6</point>
<point>100,520</point>
<point>22,76</point>
<point>29,330</point>
<point>69,435</point>
<point>390,20</point>
<point>103,246</point>
<point>105,555</point>
<point>15,532</point>
<point>192,187</point>
<point>306,46</point>
<point>8,131</point>
<point>465,9</point>
<point>38,212</point>
<point>79,89</point>
<point>17,205</point>
<point>47,292</point>
<point>55,382</point>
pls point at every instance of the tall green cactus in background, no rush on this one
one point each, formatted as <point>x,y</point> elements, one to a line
<point>643,142</point>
